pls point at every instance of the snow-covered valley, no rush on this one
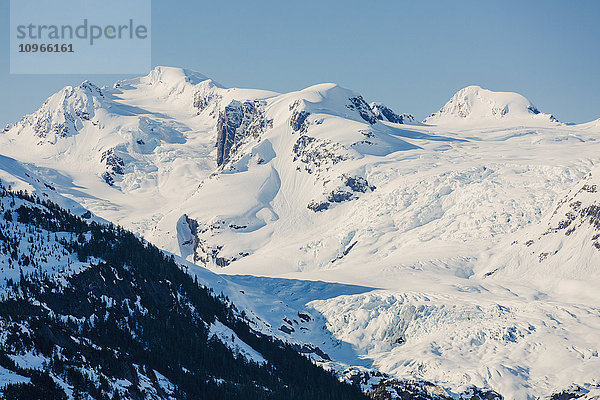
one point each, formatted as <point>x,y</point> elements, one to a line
<point>461,251</point>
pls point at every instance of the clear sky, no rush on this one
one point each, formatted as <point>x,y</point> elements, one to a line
<point>411,55</point>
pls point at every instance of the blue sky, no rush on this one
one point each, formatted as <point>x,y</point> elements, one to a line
<point>411,55</point>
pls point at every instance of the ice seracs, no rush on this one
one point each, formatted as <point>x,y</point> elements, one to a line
<point>477,105</point>
<point>563,247</point>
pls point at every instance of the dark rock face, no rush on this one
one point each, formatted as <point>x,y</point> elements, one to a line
<point>358,184</point>
<point>301,144</point>
<point>225,261</point>
<point>112,161</point>
<point>345,253</point>
<point>318,206</point>
<point>192,225</point>
<point>310,349</point>
<point>384,113</point>
<point>108,178</point>
<point>572,218</point>
<point>339,196</point>
<point>203,252</point>
<point>91,88</point>
<point>286,329</point>
<point>304,317</point>
<point>532,109</point>
<point>229,121</point>
<point>353,185</point>
<point>574,392</point>
<point>45,127</point>
<point>114,166</point>
<point>238,122</point>
<point>360,105</point>
<point>299,122</point>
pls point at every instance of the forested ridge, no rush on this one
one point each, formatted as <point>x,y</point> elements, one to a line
<point>116,318</point>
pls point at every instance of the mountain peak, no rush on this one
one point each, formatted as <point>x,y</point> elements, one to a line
<point>474,103</point>
<point>163,74</point>
<point>168,78</point>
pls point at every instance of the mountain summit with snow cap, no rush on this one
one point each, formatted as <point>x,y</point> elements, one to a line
<point>475,104</point>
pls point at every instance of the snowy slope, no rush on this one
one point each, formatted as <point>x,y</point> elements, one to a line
<point>44,182</point>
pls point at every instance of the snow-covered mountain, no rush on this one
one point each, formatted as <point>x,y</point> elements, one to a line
<point>476,105</point>
<point>155,139</point>
<point>405,221</point>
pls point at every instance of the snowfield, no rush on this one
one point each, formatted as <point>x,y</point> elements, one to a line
<point>398,247</point>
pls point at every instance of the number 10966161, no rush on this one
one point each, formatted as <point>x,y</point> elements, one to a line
<point>46,48</point>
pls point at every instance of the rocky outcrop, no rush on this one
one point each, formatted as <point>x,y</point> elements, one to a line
<point>203,252</point>
<point>114,166</point>
<point>299,121</point>
<point>317,155</point>
<point>357,184</point>
<point>238,122</point>
<point>350,190</point>
<point>384,113</point>
<point>359,105</point>
<point>207,97</point>
<point>318,206</point>
<point>203,100</point>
